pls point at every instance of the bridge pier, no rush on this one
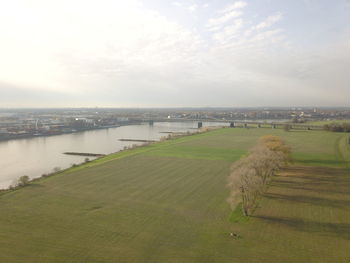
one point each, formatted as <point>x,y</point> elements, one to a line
<point>200,125</point>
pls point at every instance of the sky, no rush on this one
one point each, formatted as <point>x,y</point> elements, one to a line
<point>176,53</point>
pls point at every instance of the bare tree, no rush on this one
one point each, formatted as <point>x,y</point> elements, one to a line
<point>245,186</point>
<point>276,144</point>
<point>250,175</point>
<point>265,162</point>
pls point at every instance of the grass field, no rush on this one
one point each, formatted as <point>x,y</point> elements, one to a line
<point>167,203</point>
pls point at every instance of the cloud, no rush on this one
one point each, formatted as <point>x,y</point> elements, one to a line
<point>228,32</point>
<point>307,77</point>
<point>115,53</point>
<point>215,24</point>
<point>178,4</point>
<point>234,6</point>
<point>62,48</point>
<point>192,8</point>
<point>226,15</point>
<point>128,55</point>
<point>269,21</point>
<point>189,7</point>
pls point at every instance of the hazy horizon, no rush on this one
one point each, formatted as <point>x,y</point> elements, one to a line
<point>174,54</point>
<point>204,108</point>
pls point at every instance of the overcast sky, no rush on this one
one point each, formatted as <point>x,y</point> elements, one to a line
<point>158,53</point>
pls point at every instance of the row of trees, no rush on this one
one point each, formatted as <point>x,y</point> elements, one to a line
<point>337,127</point>
<point>250,175</point>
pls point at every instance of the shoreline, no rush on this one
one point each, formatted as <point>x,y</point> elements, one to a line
<point>30,136</point>
<point>133,149</point>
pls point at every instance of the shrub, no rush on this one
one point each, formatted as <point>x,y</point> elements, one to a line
<point>56,169</point>
<point>23,180</point>
<point>337,127</point>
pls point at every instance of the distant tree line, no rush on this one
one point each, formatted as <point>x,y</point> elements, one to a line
<point>250,175</point>
<point>337,127</point>
<point>298,120</point>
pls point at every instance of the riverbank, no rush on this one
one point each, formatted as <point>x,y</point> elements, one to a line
<point>97,157</point>
<point>35,135</point>
<point>167,201</point>
<point>39,155</point>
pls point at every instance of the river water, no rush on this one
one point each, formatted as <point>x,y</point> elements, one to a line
<point>39,155</point>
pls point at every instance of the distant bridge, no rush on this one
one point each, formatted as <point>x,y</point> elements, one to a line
<point>240,123</point>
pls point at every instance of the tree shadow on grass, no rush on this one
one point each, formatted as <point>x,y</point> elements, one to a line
<point>318,179</point>
<point>298,186</point>
<point>341,230</point>
<point>312,170</point>
<point>332,177</point>
<point>322,179</point>
<point>315,186</point>
<point>327,183</point>
<point>322,162</point>
<point>343,204</point>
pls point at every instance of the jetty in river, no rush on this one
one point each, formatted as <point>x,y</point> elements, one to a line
<point>85,154</point>
<point>136,140</point>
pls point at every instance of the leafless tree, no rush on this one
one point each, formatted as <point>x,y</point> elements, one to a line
<point>245,186</point>
<point>250,175</point>
<point>265,162</point>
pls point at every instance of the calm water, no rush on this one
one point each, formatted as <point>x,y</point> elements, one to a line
<point>36,156</point>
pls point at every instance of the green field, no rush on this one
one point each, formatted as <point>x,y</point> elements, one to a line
<point>167,203</point>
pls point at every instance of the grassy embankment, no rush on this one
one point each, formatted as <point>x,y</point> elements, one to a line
<point>166,203</point>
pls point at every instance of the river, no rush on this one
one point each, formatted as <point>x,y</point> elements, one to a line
<point>40,155</point>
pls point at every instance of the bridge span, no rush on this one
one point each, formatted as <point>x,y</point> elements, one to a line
<point>240,123</point>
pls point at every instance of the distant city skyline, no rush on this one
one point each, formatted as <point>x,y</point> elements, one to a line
<point>190,53</point>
